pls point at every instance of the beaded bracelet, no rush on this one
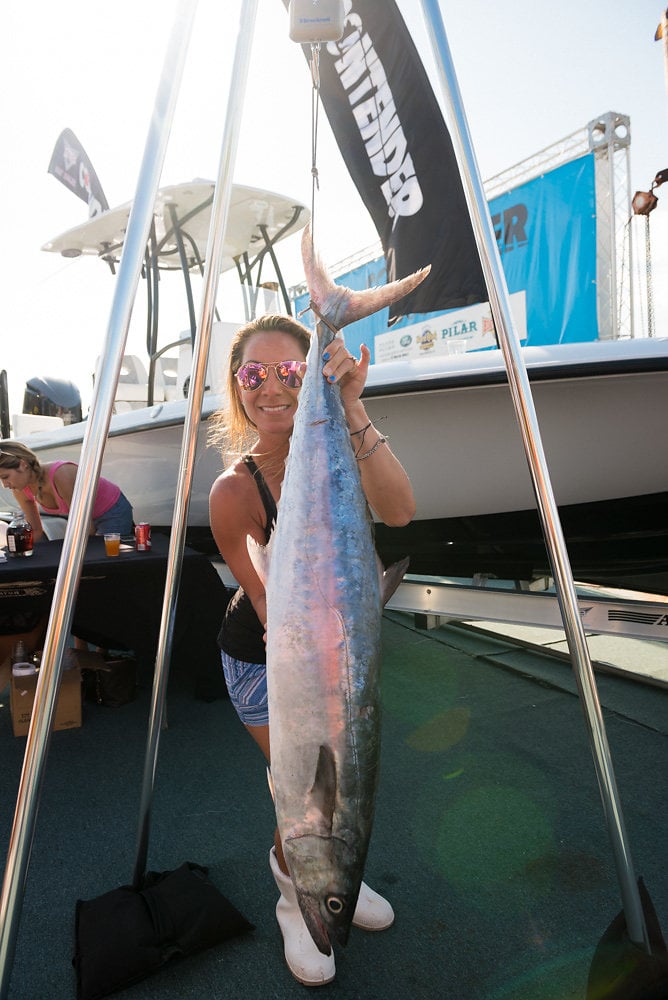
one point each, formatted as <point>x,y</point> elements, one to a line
<point>368,454</point>
<point>361,431</point>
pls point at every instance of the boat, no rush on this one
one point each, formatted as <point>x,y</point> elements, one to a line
<point>449,416</point>
<point>451,420</point>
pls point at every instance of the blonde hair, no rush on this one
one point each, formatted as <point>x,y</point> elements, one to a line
<point>13,452</point>
<point>230,429</point>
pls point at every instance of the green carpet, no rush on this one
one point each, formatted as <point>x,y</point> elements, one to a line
<point>489,837</point>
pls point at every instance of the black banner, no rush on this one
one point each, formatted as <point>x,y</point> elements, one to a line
<point>70,164</point>
<point>394,141</point>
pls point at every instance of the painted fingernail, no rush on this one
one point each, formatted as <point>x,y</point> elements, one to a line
<point>325,356</point>
<point>331,378</point>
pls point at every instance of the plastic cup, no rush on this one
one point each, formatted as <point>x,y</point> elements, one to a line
<point>112,543</point>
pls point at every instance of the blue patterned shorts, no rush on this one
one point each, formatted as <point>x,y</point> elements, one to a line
<point>247,687</point>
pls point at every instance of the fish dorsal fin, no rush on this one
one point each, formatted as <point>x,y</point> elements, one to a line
<point>260,556</point>
<point>322,797</point>
<point>391,579</point>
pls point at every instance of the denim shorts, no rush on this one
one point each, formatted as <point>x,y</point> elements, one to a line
<point>117,518</point>
<point>247,688</point>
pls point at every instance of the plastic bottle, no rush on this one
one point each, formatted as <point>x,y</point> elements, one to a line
<point>19,536</point>
<point>21,665</point>
<point>18,652</point>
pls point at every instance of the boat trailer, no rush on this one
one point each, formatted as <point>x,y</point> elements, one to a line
<point>435,600</point>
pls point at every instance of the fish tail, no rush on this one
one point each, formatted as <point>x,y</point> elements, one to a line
<point>336,305</point>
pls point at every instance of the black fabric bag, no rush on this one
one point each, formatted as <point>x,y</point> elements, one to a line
<point>112,682</point>
<point>621,969</point>
<point>127,934</point>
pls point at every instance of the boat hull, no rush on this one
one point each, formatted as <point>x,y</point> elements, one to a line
<point>621,543</point>
<point>601,411</point>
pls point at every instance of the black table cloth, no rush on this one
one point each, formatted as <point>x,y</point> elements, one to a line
<point>119,603</point>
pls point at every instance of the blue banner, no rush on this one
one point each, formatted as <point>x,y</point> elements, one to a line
<point>546,234</point>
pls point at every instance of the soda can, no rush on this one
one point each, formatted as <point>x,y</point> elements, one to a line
<point>142,536</point>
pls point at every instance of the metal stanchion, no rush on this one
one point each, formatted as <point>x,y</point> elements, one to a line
<point>219,213</point>
<point>84,491</point>
<point>526,416</point>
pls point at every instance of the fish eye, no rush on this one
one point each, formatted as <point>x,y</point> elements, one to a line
<point>335,905</point>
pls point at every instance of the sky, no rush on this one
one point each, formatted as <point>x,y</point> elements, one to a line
<point>530,73</point>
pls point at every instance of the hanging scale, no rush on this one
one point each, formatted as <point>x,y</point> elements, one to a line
<point>313,22</point>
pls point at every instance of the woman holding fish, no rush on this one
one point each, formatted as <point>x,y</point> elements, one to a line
<point>318,604</point>
<point>266,368</point>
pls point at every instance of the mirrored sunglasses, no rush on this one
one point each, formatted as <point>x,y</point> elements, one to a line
<point>254,373</point>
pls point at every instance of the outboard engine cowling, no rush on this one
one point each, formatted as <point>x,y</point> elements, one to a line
<point>53,397</point>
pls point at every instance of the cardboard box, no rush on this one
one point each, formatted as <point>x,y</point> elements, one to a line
<point>68,706</point>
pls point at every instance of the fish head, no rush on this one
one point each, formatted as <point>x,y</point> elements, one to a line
<point>327,877</point>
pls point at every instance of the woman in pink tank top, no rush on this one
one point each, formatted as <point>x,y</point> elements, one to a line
<point>48,489</point>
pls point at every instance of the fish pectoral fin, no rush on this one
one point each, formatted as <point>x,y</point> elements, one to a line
<point>260,556</point>
<point>322,796</point>
<point>391,579</point>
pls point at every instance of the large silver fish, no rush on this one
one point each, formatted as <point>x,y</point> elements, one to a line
<point>324,606</point>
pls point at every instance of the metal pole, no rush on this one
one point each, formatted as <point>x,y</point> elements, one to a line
<point>662,33</point>
<point>614,305</point>
<point>219,213</point>
<point>526,417</point>
<point>649,279</point>
<point>629,218</point>
<point>79,518</point>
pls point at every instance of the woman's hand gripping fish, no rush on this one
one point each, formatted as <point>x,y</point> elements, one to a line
<point>324,604</point>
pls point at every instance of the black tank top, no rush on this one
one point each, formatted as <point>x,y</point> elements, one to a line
<point>242,633</point>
